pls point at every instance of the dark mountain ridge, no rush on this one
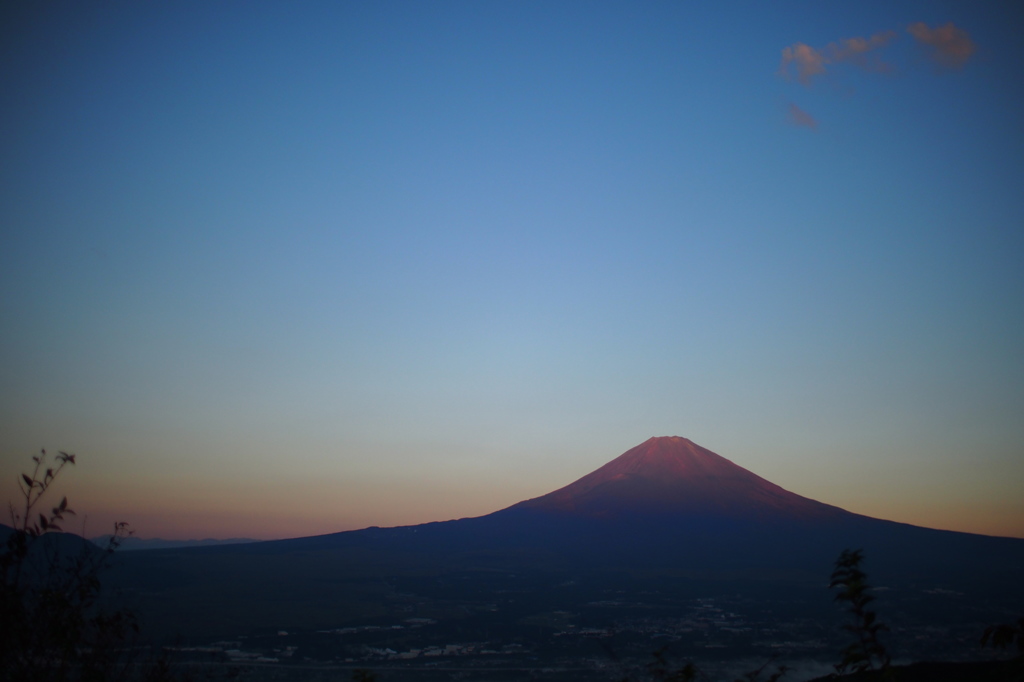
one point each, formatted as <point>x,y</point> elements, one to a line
<point>136,544</point>
<point>670,503</point>
<point>667,508</point>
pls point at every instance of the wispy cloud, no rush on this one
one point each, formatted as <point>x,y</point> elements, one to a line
<point>799,117</point>
<point>948,46</point>
<point>809,62</point>
<point>951,46</point>
<point>855,50</point>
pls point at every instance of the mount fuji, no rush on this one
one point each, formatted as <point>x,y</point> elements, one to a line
<point>667,507</point>
<point>675,476</point>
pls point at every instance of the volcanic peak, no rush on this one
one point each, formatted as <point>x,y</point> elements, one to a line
<point>674,475</point>
<point>673,457</point>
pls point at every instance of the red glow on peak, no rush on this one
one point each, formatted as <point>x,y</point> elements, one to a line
<point>674,475</point>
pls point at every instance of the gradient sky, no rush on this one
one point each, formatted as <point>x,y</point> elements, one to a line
<point>279,269</point>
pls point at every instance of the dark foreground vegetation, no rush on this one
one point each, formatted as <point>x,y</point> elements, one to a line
<point>313,610</point>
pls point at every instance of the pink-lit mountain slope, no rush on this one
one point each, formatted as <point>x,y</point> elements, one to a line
<point>675,476</point>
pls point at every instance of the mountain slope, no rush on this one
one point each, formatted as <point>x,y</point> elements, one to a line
<point>667,512</point>
<point>675,476</point>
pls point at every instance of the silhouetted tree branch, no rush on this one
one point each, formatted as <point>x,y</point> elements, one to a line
<point>866,651</point>
<point>51,627</point>
<point>1005,636</point>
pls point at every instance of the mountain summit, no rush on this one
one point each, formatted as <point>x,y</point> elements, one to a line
<point>671,475</point>
<point>667,519</point>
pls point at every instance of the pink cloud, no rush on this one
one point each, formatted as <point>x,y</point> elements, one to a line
<point>799,117</point>
<point>952,46</point>
<point>810,62</point>
<point>855,49</point>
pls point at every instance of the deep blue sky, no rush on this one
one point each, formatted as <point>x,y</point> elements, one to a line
<point>277,269</point>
